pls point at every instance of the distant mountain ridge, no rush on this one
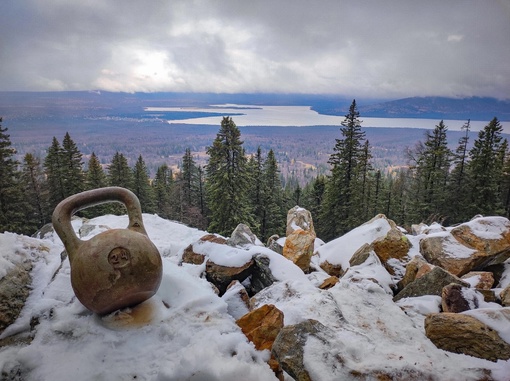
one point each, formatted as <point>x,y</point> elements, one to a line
<point>78,103</point>
<point>475,108</point>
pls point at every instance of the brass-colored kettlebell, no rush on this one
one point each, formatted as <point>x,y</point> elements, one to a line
<point>117,268</point>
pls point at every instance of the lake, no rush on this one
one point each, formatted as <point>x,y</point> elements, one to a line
<point>299,116</point>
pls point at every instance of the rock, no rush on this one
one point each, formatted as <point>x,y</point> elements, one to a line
<point>505,296</point>
<point>431,283</point>
<point>333,270</point>
<point>237,299</point>
<point>272,243</point>
<point>261,327</point>
<point>417,229</point>
<point>329,282</point>
<point>288,347</point>
<point>243,236</point>
<point>262,276</point>
<point>361,255</point>
<point>482,242</point>
<point>413,268</point>
<point>14,290</point>
<point>483,280</point>
<point>222,276</point>
<point>192,257</point>
<point>299,244</point>
<point>394,246</point>
<point>489,296</point>
<point>460,333</point>
<point>455,299</point>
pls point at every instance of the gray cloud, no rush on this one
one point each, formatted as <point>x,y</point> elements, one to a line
<point>369,49</point>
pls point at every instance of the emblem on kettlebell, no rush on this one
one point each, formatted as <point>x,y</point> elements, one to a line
<point>117,268</point>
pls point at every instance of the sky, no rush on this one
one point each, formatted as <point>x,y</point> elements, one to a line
<point>372,49</point>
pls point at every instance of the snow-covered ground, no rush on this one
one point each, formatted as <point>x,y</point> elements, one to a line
<point>185,331</point>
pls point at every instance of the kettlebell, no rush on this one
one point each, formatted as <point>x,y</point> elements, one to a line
<point>117,268</point>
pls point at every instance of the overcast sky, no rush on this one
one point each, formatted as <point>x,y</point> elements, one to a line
<point>376,48</point>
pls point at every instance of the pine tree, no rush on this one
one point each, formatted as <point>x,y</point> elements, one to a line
<point>485,170</point>
<point>338,214</point>
<point>35,189</point>
<point>72,167</point>
<point>162,190</point>
<point>141,185</point>
<point>228,181</point>
<point>54,169</point>
<point>13,206</point>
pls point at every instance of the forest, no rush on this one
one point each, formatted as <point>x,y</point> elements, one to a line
<point>227,186</point>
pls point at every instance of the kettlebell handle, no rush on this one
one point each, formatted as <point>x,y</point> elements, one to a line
<point>62,214</point>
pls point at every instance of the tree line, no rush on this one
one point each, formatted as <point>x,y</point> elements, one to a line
<point>437,185</point>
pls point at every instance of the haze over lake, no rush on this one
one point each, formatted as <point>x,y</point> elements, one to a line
<point>301,116</point>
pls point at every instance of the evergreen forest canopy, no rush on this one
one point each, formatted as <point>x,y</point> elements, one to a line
<point>438,184</point>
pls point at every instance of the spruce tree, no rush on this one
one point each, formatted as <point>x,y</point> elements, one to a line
<point>15,212</point>
<point>72,167</point>
<point>141,185</point>
<point>228,181</point>
<point>457,185</point>
<point>255,169</point>
<point>433,161</point>
<point>119,173</point>
<point>35,189</point>
<point>54,169</point>
<point>272,219</point>
<point>485,170</point>
<point>339,211</point>
<point>162,190</point>
<point>95,178</point>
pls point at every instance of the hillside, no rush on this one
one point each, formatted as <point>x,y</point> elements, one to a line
<point>105,123</point>
<point>189,332</point>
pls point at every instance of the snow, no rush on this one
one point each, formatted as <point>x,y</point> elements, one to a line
<point>451,247</point>
<point>489,227</point>
<point>340,250</point>
<point>187,332</point>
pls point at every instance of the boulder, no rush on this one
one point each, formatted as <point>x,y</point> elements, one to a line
<point>461,333</point>
<point>261,327</point>
<point>332,269</point>
<point>237,299</point>
<point>14,290</point>
<point>299,244</point>
<point>262,276</point>
<point>361,255</point>
<point>329,282</point>
<point>505,296</point>
<point>288,347</point>
<point>431,283</point>
<point>483,280</point>
<point>482,242</point>
<point>242,236</point>
<point>415,268</point>
<point>393,246</point>
<point>272,243</point>
<point>191,256</point>
<point>222,276</point>
<point>455,299</point>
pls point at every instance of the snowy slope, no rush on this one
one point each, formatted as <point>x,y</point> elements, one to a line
<point>186,333</point>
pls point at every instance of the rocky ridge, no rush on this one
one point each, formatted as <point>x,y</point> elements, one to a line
<point>316,308</point>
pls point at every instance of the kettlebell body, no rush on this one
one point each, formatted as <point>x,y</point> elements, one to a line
<point>117,268</point>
